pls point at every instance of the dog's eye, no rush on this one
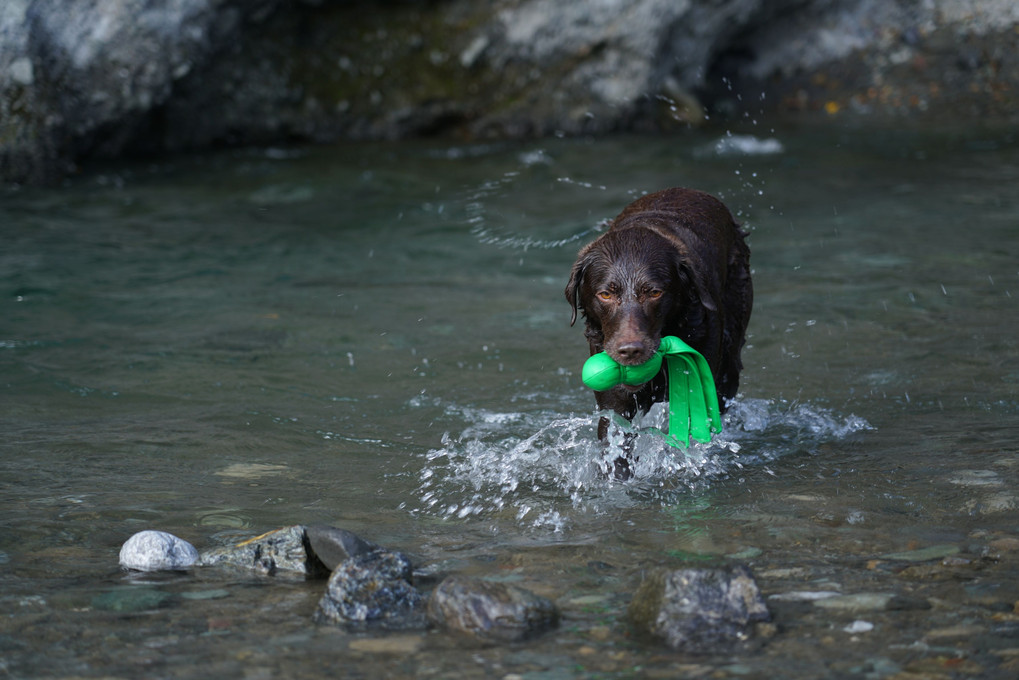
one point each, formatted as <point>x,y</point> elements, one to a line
<point>605,295</point>
<point>654,294</point>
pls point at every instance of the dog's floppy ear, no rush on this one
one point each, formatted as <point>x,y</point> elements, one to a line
<point>576,279</point>
<point>704,284</point>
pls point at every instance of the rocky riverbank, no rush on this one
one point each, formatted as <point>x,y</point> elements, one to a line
<point>938,610</point>
<point>96,80</point>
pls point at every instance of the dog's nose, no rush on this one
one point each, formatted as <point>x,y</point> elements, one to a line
<point>631,351</point>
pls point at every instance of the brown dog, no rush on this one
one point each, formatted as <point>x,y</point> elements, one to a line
<point>672,263</point>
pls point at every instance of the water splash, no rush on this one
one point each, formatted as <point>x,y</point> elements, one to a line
<point>538,469</point>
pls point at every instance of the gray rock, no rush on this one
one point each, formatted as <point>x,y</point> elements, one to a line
<point>372,589</point>
<point>333,546</point>
<point>698,610</point>
<point>81,78</point>
<point>155,551</point>
<point>93,79</point>
<point>283,551</point>
<point>490,611</point>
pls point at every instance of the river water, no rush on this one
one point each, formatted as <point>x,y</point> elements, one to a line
<point>375,337</point>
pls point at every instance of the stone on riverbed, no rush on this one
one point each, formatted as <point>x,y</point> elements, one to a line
<point>286,550</point>
<point>372,589</point>
<point>157,550</point>
<point>490,611</point>
<point>698,610</point>
<point>130,599</point>
<point>333,546</point>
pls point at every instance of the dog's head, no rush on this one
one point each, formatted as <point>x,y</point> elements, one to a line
<point>629,284</point>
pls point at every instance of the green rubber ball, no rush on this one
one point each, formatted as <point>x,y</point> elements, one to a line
<point>601,372</point>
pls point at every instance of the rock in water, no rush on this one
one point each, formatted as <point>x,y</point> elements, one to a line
<point>283,550</point>
<point>333,546</point>
<point>157,550</point>
<point>490,611</point>
<point>372,588</point>
<point>698,610</point>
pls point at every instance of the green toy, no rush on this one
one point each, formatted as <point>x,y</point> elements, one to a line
<point>693,402</point>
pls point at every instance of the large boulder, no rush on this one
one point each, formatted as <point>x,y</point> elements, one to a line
<point>80,80</point>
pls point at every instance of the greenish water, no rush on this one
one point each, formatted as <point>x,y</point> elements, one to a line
<point>375,337</point>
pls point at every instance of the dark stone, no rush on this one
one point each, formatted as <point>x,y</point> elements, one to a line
<point>333,546</point>
<point>286,550</point>
<point>490,611</point>
<point>373,589</point>
<point>698,610</point>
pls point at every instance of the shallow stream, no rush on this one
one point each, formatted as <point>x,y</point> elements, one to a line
<point>375,337</point>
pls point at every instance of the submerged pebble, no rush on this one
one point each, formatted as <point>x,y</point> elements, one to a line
<point>392,644</point>
<point>976,478</point>
<point>214,594</point>
<point>157,550</point>
<point>489,610</point>
<point>1005,544</point>
<point>990,504</point>
<point>933,552</point>
<point>130,600</point>
<point>804,595</point>
<point>957,632</point>
<point>856,603</point>
<point>859,626</point>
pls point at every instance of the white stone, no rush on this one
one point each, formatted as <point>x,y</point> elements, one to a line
<point>22,72</point>
<point>157,550</point>
<point>859,626</point>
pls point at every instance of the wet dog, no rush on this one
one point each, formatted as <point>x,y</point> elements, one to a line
<point>672,263</point>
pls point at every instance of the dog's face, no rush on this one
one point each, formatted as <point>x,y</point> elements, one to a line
<point>627,284</point>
